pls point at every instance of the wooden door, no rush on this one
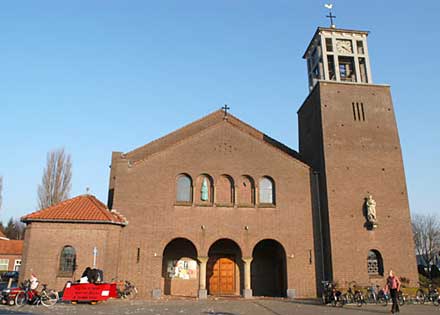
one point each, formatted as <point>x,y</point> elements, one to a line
<point>222,276</point>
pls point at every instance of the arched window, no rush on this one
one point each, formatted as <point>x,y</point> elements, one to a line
<point>246,191</point>
<point>374,263</point>
<point>225,191</point>
<point>184,189</point>
<point>267,191</point>
<point>67,260</point>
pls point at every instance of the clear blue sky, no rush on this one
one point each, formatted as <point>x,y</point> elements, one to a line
<point>100,76</point>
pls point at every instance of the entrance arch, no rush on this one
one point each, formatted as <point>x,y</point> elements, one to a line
<point>224,268</point>
<point>180,268</point>
<point>268,269</point>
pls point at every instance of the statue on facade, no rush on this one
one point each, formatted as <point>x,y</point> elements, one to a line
<point>370,205</point>
<point>204,191</point>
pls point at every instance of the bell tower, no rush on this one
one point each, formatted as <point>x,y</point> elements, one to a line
<point>348,134</point>
<point>338,55</point>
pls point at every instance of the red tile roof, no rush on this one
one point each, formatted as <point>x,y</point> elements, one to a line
<point>2,235</point>
<point>11,247</point>
<point>83,209</point>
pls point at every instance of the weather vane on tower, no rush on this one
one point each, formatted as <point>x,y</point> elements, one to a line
<point>329,6</point>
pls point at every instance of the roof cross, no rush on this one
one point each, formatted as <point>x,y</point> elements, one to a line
<point>225,110</point>
<point>330,16</point>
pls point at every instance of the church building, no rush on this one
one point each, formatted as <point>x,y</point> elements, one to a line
<point>220,208</point>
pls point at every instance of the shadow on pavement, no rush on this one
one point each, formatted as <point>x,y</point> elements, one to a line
<point>7,311</point>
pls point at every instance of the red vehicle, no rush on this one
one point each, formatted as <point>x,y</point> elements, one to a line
<point>89,292</point>
<point>9,294</point>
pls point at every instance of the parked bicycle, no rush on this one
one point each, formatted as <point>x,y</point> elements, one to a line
<point>27,295</point>
<point>431,296</point>
<point>383,297</point>
<point>371,295</point>
<point>126,289</point>
<point>330,295</point>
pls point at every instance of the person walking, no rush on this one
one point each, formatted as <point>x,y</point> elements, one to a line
<point>393,287</point>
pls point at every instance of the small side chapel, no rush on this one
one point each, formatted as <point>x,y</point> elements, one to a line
<point>220,208</point>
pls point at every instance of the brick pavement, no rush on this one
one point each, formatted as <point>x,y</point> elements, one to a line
<point>212,307</point>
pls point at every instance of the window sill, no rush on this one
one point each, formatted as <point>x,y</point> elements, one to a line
<point>245,206</point>
<point>183,203</point>
<point>224,205</point>
<point>204,205</point>
<point>266,205</point>
<point>65,275</point>
<point>375,276</point>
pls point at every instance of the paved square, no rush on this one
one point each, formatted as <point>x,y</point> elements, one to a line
<point>212,307</point>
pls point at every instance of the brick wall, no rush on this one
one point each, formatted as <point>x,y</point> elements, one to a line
<point>144,191</point>
<point>45,241</point>
<point>357,153</point>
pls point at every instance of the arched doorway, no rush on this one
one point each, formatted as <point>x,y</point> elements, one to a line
<point>225,268</point>
<point>180,268</point>
<point>268,269</point>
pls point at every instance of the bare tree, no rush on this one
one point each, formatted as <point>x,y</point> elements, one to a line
<point>56,182</point>
<point>14,229</point>
<point>426,231</point>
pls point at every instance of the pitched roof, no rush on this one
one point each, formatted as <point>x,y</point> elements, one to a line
<point>81,209</point>
<point>200,125</point>
<point>11,247</point>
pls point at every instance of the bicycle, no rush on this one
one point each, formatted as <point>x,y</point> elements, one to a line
<point>126,289</point>
<point>330,295</point>
<point>46,297</point>
<point>371,295</point>
<point>383,297</point>
<point>432,296</point>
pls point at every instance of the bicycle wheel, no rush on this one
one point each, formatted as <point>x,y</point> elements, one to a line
<point>49,299</point>
<point>131,293</point>
<point>420,297</point>
<point>358,300</point>
<point>21,299</point>
<point>436,300</point>
<point>401,299</point>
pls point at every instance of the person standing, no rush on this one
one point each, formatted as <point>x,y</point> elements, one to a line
<point>393,287</point>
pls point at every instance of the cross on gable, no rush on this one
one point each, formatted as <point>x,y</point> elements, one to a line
<point>225,110</point>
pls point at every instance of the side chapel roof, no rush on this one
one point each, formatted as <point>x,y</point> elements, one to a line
<point>81,209</point>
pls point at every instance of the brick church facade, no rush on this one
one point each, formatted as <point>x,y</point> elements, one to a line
<point>219,208</point>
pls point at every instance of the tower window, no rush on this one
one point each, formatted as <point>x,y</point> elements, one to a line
<point>362,110</point>
<point>354,111</point>
<point>358,111</point>
<point>360,47</point>
<point>374,263</point>
<point>329,44</point>
<point>346,69</point>
<point>331,67</point>
<point>363,70</point>
<point>316,72</point>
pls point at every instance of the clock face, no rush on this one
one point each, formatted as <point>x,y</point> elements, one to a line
<point>344,46</point>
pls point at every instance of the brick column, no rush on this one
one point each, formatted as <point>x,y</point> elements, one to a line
<point>247,292</point>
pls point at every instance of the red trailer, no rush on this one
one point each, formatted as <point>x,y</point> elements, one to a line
<point>89,292</point>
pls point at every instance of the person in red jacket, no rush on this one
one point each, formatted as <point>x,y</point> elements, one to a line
<point>393,287</point>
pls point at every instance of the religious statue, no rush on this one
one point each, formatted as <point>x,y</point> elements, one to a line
<point>204,191</point>
<point>371,210</point>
